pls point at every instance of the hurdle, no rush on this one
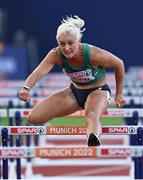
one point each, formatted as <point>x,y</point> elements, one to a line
<point>44,91</point>
<point>111,112</point>
<point>70,152</point>
<point>121,152</point>
<point>35,100</point>
<point>68,130</point>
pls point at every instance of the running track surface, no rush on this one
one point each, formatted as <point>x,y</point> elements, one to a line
<point>81,170</point>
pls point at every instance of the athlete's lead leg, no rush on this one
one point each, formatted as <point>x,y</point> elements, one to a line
<point>95,105</point>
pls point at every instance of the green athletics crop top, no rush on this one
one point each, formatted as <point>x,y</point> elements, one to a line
<point>86,74</point>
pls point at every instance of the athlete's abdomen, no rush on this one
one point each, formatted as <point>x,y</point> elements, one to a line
<point>97,84</point>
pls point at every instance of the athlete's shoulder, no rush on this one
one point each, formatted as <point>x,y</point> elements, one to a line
<point>96,54</point>
<point>97,51</point>
<point>54,52</point>
<point>93,47</point>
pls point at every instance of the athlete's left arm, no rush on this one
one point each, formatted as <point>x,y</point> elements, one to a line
<point>106,59</point>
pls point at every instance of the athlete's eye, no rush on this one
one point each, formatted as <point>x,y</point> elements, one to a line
<point>62,44</point>
<point>70,43</point>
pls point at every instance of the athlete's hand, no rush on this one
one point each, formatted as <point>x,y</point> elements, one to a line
<point>119,100</point>
<point>24,95</point>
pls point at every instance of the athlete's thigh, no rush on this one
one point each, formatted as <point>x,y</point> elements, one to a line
<point>96,103</point>
<point>58,104</point>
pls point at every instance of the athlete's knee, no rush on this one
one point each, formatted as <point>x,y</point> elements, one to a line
<point>90,114</point>
<point>37,118</point>
<point>33,118</point>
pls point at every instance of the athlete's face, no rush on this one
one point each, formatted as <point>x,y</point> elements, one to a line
<point>69,45</point>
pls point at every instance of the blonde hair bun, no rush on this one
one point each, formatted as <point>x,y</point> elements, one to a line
<point>71,25</point>
<point>78,22</point>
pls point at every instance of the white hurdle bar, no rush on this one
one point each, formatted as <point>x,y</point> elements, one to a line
<point>71,152</point>
<point>67,130</point>
<point>111,112</point>
<point>34,100</point>
<point>5,92</point>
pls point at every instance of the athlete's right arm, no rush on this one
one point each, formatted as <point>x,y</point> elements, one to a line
<point>43,68</point>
